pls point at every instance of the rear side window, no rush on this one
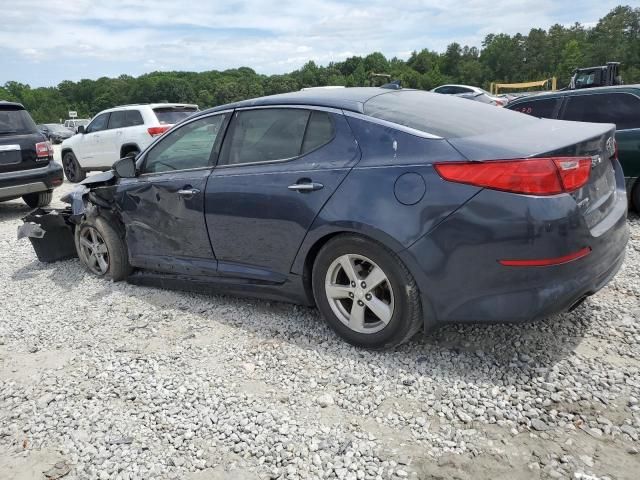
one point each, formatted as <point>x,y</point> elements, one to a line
<point>16,121</point>
<point>118,119</point>
<point>443,115</point>
<point>264,135</point>
<point>623,109</point>
<point>134,118</point>
<point>319,131</point>
<point>544,108</point>
<point>173,115</point>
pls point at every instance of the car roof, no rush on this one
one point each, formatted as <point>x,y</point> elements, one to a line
<point>577,91</point>
<point>352,99</point>
<point>135,106</point>
<point>4,103</point>
<point>459,85</point>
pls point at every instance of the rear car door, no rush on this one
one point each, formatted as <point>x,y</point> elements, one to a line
<point>163,207</point>
<point>112,137</point>
<point>623,109</point>
<point>277,168</point>
<point>90,147</point>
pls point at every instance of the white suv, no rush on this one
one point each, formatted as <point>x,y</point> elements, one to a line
<point>116,133</point>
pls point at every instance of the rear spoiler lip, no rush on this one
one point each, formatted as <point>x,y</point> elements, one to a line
<point>537,139</point>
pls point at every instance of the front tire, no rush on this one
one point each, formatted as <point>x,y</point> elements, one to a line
<point>72,169</point>
<point>37,200</point>
<point>365,293</point>
<point>101,249</point>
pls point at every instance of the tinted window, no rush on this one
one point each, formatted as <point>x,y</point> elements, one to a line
<point>538,108</point>
<point>264,135</point>
<point>319,131</point>
<point>190,146</point>
<point>442,115</point>
<point>14,120</point>
<point>99,123</point>
<point>134,117</point>
<point>118,119</point>
<point>622,109</point>
<point>172,115</point>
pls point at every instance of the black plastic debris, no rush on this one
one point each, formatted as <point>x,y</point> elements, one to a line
<point>50,233</point>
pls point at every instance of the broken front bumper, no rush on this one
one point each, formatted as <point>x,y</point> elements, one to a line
<point>50,231</point>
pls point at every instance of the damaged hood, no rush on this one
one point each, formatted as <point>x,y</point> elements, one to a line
<point>77,198</point>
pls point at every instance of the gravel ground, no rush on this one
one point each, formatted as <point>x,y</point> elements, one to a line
<point>116,381</point>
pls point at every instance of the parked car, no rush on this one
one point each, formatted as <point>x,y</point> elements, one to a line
<point>472,93</point>
<point>118,132</point>
<point>55,132</point>
<point>74,123</point>
<point>616,104</point>
<point>27,168</point>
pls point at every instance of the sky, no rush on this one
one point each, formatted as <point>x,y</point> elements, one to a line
<point>47,41</point>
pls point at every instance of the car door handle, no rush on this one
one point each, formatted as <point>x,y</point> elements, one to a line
<point>306,187</point>
<point>188,192</point>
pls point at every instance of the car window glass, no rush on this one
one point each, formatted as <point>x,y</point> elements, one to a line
<point>319,131</point>
<point>16,120</point>
<point>538,108</point>
<point>189,146</point>
<point>445,90</point>
<point>118,119</point>
<point>623,109</point>
<point>134,118</point>
<point>99,123</point>
<point>264,135</point>
<point>438,115</point>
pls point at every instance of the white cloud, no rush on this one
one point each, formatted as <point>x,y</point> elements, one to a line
<point>270,36</point>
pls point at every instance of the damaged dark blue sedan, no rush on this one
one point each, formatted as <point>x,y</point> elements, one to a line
<point>391,210</point>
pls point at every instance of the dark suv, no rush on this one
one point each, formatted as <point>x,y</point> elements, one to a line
<point>27,168</point>
<point>619,105</point>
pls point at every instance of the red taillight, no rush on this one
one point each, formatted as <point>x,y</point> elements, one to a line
<point>533,176</point>
<point>155,131</point>
<point>44,150</point>
<point>546,262</point>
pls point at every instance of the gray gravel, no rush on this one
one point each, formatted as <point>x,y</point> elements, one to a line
<point>113,381</point>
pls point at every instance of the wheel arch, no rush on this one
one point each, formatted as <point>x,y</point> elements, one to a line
<point>129,147</point>
<point>64,151</point>
<point>303,263</point>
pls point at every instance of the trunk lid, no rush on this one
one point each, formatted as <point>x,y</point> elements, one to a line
<point>548,138</point>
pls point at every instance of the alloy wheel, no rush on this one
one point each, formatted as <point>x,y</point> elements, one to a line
<point>94,251</point>
<point>70,168</point>
<point>359,293</point>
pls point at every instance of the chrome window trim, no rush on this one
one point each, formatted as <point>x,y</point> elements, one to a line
<point>395,126</point>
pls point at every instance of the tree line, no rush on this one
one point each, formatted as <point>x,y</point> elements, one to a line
<point>502,58</point>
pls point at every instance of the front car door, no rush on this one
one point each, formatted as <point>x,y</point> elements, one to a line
<point>89,149</point>
<point>277,168</point>
<point>163,207</point>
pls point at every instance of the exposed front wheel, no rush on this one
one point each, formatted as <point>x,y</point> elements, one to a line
<point>365,293</point>
<point>37,200</point>
<point>101,249</point>
<point>72,169</point>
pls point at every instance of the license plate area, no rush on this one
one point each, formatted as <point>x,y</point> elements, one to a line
<point>10,154</point>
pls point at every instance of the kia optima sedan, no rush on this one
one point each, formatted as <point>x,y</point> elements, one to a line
<point>391,210</point>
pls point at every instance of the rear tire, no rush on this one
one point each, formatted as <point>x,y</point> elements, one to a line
<point>383,314</point>
<point>101,249</point>
<point>72,169</point>
<point>635,197</point>
<point>37,200</point>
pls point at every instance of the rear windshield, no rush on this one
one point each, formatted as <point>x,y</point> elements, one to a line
<point>15,120</point>
<point>172,115</point>
<point>443,115</point>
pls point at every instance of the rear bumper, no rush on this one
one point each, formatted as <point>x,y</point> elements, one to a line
<point>457,265</point>
<point>34,180</point>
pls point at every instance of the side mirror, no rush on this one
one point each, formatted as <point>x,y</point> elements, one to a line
<point>125,167</point>
<point>81,129</point>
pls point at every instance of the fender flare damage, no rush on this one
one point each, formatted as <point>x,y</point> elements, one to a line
<point>51,230</point>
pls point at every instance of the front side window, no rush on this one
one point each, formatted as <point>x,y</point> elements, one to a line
<point>623,109</point>
<point>538,108</point>
<point>265,135</point>
<point>190,146</point>
<point>99,123</point>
